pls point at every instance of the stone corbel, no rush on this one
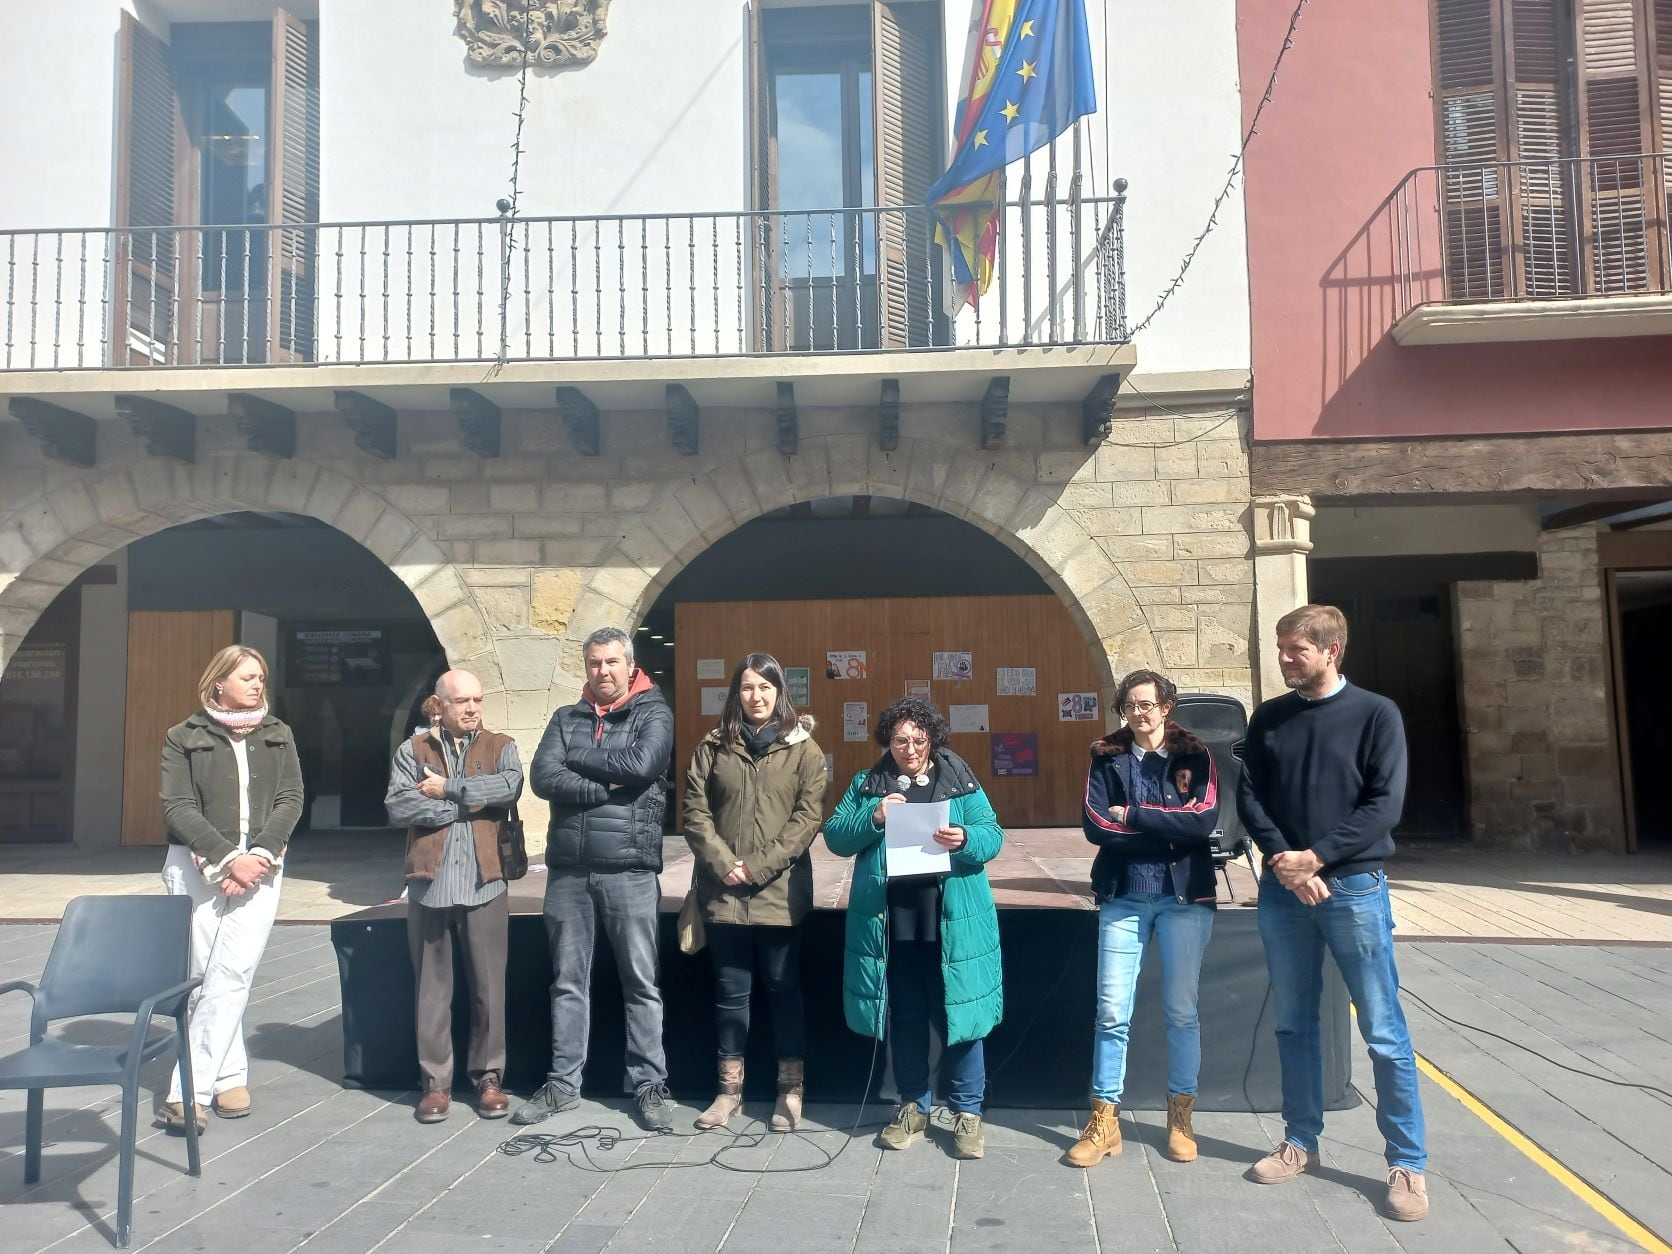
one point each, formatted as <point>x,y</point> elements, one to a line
<point>1283,524</point>
<point>789,422</point>
<point>168,430</point>
<point>479,421</point>
<point>374,424</point>
<point>888,416</point>
<point>995,409</point>
<point>580,416</point>
<point>63,434</point>
<point>268,428</point>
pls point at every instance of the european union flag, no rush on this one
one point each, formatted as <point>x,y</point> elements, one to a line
<point>1041,83</point>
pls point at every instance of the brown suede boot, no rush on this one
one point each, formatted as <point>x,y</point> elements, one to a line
<point>1101,1139</point>
<point>1181,1139</point>
<point>730,1097</point>
<point>792,1076</point>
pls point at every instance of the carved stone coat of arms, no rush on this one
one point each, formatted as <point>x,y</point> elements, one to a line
<point>551,33</point>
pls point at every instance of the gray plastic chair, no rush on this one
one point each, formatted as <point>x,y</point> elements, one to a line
<point>112,955</point>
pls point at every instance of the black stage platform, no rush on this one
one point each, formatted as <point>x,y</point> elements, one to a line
<point>1040,1056</point>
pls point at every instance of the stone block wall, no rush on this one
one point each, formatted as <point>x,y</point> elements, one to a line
<point>1541,764</point>
<point>515,559</point>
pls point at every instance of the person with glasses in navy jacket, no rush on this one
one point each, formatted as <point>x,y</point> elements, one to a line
<point>1151,806</point>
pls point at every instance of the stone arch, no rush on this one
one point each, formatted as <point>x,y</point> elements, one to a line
<point>1026,515</point>
<point>77,520</point>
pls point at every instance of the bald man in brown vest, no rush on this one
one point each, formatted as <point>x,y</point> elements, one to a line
<point>451,786</point>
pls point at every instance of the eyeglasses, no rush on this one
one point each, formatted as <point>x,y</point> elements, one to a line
<point>919,742</point>
<point>1137,707</point>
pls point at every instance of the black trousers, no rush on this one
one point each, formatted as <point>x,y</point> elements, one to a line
<point>739,951</point>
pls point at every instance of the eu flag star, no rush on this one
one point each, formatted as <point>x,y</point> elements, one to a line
<point>980,139</point>
<point>1027,27</point>
<point>1027,71</point>
<point>1010,110</point>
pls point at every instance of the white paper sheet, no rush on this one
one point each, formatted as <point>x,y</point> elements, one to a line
<point>714,700</point>
<point>856,720</point>
<point>1017,681</point>
<point>711,668</point>
<point>970,718</point>
<point>909,846</point>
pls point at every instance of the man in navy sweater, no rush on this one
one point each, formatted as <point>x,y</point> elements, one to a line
<point>1323,783</point>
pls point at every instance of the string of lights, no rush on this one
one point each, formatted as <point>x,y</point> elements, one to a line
<point>1230,179</point>
<point>511,204</point>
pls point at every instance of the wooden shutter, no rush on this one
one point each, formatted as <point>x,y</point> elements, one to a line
<point>292,190</point>
<point>145,256</point>
<point>1659,45</point>
<point>764,292</point>
<point>1540,189</point>
<point>1612,58</point>
<point>1468,69</point>
<point>906,150</point>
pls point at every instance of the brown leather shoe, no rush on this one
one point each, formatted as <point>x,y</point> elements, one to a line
<point>432,1107</point>
<point>491,1102</point>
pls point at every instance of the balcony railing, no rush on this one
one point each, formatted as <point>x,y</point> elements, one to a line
<point>1530,230</point>
<point>557,288</point>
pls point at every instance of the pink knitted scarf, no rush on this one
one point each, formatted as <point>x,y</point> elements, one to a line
<point>237,722</point>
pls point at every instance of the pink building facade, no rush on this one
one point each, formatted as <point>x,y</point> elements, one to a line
<point>1460,269</point>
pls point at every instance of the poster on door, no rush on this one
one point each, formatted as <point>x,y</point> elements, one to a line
<point>714,700</point>
<point>1015,753</point>
<point>954,665</point>
<point>799,681</point>
<point>856,721</point>
<point>917,688</point>
<point>1017,681</point>
<point>1076,707</point>
<point>847,664</point>
<point>969,718</point>
<point>347,658</point>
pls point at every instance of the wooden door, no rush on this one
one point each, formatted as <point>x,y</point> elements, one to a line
<point>167,651</point>
<point>899,637</point>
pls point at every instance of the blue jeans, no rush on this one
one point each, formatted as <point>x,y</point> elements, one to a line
<point>1355,923</point>
<point>1124,927</point>
<point>917,999</point>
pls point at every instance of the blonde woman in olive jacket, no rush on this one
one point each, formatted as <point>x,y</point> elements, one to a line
<point>754,797</point>
<point>232,795</point>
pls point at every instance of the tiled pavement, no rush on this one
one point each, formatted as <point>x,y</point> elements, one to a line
<point>323,1169</point>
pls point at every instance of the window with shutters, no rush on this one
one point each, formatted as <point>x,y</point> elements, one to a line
<point>1552,121</point>
<point>217,171</point>
<point>847,137</point>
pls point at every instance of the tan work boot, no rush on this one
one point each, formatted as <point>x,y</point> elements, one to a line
<point>1101,1139</point>
<point>729,1100</point>
<point>1407,1194</point>
<point>233,1103</point>
<point>1284,1163</point>
<point>909,1124</point>
<point>792,1078</point>
<point>1181,1138</point>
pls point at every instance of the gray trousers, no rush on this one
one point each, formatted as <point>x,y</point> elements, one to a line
<point>482,931</point>
<point>627,903</point>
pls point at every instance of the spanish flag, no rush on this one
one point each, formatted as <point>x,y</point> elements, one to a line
<point>1028,76</point>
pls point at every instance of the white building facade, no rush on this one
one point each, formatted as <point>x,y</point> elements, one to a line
<point>254,266</point>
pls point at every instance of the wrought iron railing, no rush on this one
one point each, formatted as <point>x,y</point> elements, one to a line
<point>1529,230</point>
<point>552,288</point>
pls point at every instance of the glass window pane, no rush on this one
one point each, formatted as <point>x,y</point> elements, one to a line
<point>809,169</point>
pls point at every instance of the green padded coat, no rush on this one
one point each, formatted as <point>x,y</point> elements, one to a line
<point>969,923</point>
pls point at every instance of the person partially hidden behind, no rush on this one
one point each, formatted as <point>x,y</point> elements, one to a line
<point>1323,783</point>
<point>451,785</point>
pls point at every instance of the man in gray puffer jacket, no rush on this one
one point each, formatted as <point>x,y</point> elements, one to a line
<point>600,764</point>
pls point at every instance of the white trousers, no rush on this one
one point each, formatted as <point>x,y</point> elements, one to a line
<point>229,935</point>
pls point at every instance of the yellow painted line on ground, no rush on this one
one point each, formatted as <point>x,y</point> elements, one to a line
<point>1590,1195</point>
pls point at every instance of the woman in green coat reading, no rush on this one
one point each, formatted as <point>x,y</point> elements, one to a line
<point>923,949</point>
